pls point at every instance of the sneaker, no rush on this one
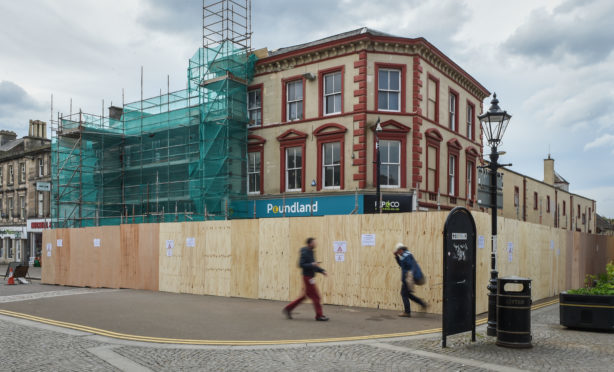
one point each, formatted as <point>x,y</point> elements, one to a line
<point>287,313</point>
<point>322,318</point>
<point>405,315</point>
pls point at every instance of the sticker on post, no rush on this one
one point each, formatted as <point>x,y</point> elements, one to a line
<point>340,247</point>
<point>368,240</point>
<point>459,236</point>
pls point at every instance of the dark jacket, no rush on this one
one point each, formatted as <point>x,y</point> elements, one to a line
<point>308,263</point>
<point>407,263</point>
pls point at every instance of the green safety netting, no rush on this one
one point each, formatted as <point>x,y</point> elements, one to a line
<point>178,156</point>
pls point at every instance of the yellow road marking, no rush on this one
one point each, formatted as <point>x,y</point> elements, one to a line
<point>163,340</point>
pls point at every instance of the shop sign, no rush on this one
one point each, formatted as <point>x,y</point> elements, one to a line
<point>306,206</point>
<point>391,203</point>
<point>12,232</point>
<point>43,186</point>
<point>38,225</point>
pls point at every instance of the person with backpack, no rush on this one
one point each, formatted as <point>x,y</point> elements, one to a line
<point>310,267</point>
<point>410,274</point>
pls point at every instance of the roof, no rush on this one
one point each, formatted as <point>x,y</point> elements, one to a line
<point>603,224</point>
<point>559,179</point>
<point>358,31</point>
<point>11,145</point>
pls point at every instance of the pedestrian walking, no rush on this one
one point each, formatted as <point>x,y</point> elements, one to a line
<point>411,274</point>
<point>310,267</point>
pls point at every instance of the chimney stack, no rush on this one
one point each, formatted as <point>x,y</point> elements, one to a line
<point>549,170</point>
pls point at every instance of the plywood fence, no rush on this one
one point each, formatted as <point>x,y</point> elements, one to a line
<point>258,258</point>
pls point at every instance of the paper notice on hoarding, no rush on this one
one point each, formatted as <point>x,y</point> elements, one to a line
<point>552,245</point>
<point>510,256</point>
<point>170,244</point>
<point>510,247</point>
<point>481,241</point>
<point>96,242</point>
<point>190,242</point>
<point>368,240</point>
<point>59,243</point>
<point>340,247</point>
<point>339,257</point>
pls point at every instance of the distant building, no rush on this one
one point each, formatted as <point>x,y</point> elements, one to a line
<point>547,202</point>
<point>25,177</point>
<point>604,226</point>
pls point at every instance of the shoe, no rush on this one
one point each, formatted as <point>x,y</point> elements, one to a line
<point>425,306</point>
<point>405,315</point>
<point>322,318</point>
<point>287,313</point>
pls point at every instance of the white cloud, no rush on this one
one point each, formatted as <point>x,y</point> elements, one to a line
<point>605,140</point>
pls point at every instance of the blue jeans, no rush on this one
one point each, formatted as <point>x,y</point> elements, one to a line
<point>407,295</point>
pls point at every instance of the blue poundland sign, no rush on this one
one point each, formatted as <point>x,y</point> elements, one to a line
<point>306,206</point>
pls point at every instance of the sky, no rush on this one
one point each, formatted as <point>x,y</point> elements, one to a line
<point>551,62</point>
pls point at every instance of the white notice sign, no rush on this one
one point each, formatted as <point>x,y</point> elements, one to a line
<point>459,236</point>
<point>170,244</point>
<point>96,242</point>
<point>510,256</point>
<point>368,240</point>
<point>49,247</point>
<point>510,247</point>
<point>552,245</point>
<point>481,241</point>
<point>340,247</point>
<point>59,243</point>
<point>339,257</point>
<point>190,242</point>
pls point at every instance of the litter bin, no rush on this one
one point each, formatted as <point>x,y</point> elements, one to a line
<point>514,312</point>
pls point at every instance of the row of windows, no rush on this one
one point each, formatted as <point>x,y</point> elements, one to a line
<point>21,207</point>
<point>389,96</point>
<point>40,168</point>
<point>389,174</point>
<point>454,115</point>
<point>549,205</point>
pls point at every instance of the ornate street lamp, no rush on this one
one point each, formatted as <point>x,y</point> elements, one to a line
<point>494,123</point>
<point>378,197</point>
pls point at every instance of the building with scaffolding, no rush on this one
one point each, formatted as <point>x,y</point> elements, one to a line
<point>178,156</point>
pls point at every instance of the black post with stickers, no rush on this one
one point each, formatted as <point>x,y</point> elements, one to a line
<point>459,266</point>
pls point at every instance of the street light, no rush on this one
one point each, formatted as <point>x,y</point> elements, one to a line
<point>494,123</point>
<point>378,197</point>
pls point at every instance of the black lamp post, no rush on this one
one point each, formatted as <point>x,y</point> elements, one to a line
<point>494,123</point>
<point>378,192</point>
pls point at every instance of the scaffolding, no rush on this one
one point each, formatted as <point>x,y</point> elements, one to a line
<point>175,157</point>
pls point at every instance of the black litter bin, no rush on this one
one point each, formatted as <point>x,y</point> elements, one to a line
<point>514,312</point>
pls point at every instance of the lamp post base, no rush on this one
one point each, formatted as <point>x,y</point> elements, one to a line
<point>491,329</point>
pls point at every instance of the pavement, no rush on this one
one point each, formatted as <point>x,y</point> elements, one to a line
<point>56,328</point>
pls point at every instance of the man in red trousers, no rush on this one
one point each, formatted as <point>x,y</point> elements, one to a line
<point>310,267</point>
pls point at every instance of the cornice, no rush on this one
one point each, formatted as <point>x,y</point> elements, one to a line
<point>410,47</point>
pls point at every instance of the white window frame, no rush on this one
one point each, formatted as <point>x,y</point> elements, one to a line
<point>22,172</point>
<point>41,204</point>
<point>336,182</point>
<point>388,91</point>
<point>41,167</point>
<point>22,207</point>
<point>253,169</point>
<point>469,179</point>
<point>1,175</point>
<point>452,111</point>
<point>10,206</point>
<point>386,165</point>
<point>336,91</point>
<point>452,175</point>
<point>297,101</point>
<point>254,108</point>
<point>11,174</point>
<point>470,128</point>
<point>298,168</point>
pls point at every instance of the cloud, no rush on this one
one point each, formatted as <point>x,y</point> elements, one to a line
<point>605,140</point>
<point>14,98</point>
<point>577,31</point>
<point>177,16</point>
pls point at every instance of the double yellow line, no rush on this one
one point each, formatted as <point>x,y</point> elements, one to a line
<point>163,340</point>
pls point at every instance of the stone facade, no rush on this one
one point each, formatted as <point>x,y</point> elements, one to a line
<point>25,175</point>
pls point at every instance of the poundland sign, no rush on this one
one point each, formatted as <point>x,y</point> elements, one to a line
<point>307,206</point>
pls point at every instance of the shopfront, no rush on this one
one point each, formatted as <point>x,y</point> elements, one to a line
<point>34,229</point>
<point>12,243</point>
